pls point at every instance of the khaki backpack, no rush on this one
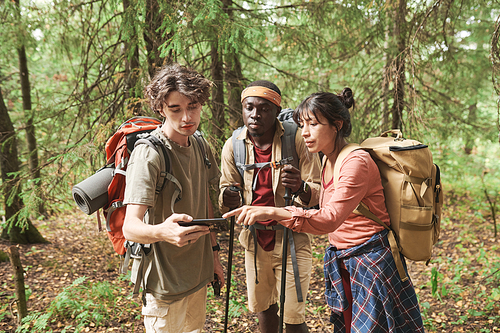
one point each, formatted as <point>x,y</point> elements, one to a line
<point>413,193</point>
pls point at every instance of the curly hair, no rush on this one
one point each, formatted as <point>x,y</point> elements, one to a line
<point>331,106</point>
<point>178,78</point>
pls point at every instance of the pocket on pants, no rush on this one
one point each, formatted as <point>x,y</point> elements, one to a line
<point>154,307</point>
<point>246,240</point>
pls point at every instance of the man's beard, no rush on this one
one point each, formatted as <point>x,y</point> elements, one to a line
<point>255,135</point>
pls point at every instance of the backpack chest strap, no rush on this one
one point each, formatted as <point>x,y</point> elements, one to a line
<point>273,164</point>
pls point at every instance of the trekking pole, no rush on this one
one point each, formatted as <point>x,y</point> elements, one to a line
<point>229,263</point>
<point>284,258</point>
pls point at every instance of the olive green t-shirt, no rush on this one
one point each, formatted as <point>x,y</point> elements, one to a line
<point>174,272</point>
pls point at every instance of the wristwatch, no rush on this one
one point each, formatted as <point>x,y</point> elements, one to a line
<point>304,187</point>
<point>216,247</point>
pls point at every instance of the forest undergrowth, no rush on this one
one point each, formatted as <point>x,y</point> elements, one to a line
<point>73,284</point>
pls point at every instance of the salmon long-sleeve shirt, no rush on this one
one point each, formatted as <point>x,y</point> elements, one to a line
<point>359,180</point>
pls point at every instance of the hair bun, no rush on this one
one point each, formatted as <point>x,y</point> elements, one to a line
<point>347,97</point>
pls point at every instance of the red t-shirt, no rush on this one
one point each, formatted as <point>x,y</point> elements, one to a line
<point>264,196</point>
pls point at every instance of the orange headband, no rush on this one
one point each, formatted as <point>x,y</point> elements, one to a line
<point>263,92</point>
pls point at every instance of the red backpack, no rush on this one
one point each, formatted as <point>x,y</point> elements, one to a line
<point>94,192</point>
<point>118,149</point>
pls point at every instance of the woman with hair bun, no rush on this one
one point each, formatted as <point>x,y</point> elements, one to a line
<point>363,288</point>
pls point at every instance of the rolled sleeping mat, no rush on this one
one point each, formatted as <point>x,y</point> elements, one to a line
<point>92,193</point>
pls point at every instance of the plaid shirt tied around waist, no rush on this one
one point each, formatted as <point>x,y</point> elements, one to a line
<point>381,301</point>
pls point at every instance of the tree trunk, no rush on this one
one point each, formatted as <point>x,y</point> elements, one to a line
<point>30,128</point>
<point>495,59</point>
<point>132,67</point>
<point>470,138</point>
<point>217,92</point>
<point>17,267</point>
<point>234,80</point>
<point>153,37</point>
<point>385,84</point>
<point>399,63</point>
<point>18,230</point>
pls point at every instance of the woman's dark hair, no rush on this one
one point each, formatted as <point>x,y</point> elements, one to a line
<point>331,106</point>
<point>178,78</point>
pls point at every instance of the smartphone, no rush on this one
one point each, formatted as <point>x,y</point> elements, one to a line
<point>215,224</point>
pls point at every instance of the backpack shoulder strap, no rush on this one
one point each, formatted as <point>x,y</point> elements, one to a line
<point>239,150</point>
<point>165,165</point>
<point>350,147</point>
<point>288,142</point>
<point>287,146</point>
<point>363,209</point>
<point>201,143</point>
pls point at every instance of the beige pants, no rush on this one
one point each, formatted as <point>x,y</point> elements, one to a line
<point>186,315</point>
<point>269,267</point>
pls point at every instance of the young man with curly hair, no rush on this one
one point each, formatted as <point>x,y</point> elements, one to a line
<point>183,260</point>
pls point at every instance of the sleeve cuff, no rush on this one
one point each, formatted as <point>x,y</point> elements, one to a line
<point>296,221</point>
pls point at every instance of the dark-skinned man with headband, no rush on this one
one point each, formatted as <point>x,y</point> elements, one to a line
<point>263,183</point>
